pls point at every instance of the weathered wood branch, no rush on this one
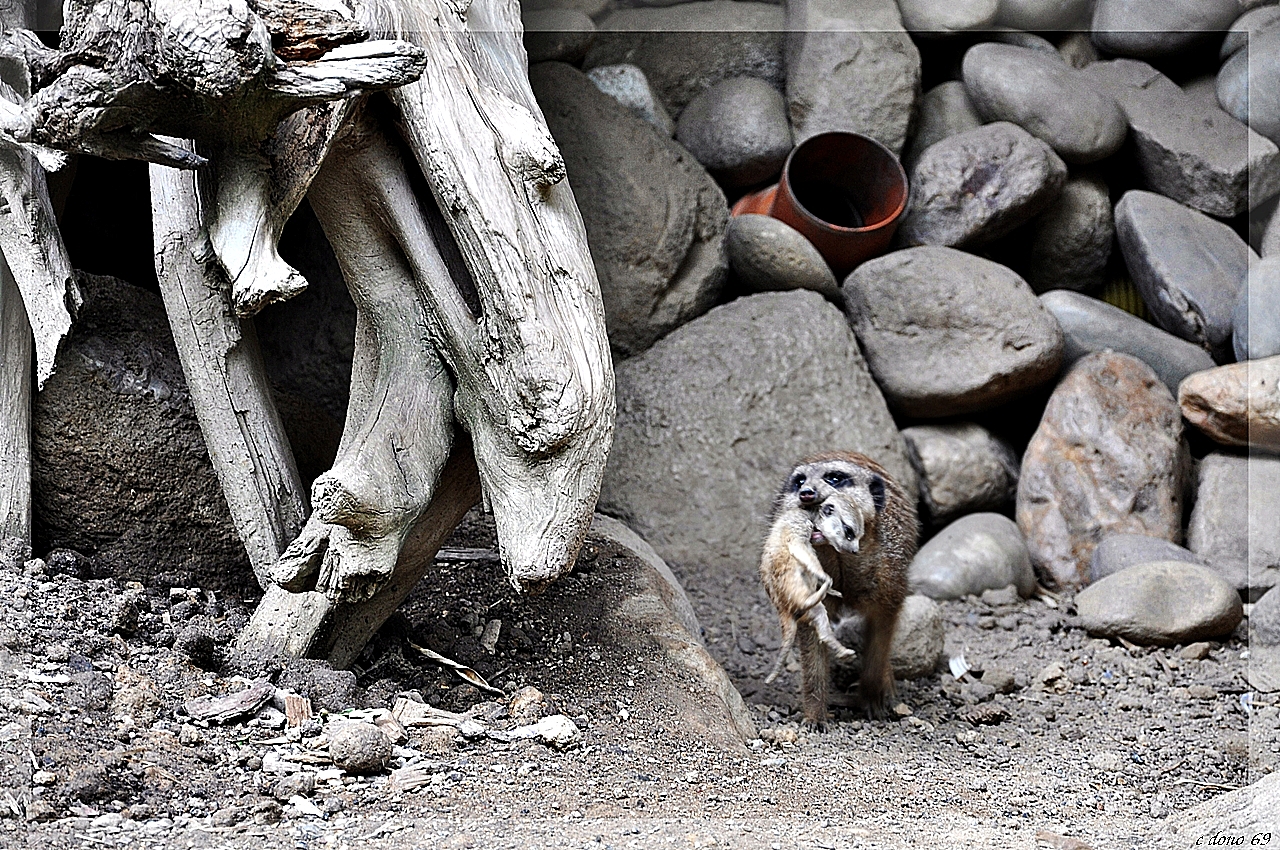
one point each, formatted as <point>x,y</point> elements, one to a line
<point>535,382</point>
<point>15,421</point>
<point>223,367</point>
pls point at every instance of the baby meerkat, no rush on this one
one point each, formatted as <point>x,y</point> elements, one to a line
<point>868,570</point>
<point>794,579</point>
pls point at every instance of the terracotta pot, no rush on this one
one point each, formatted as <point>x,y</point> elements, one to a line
<point>844,191</point>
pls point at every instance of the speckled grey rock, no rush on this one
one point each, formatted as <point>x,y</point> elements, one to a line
<point>722,393</point>
<point>1120,551</point>
<point>918,639</point>
<point>978,552</point>
<point>850,66</point>
<point>1161,603</point>
<point>1264,619</point>
<point>1044,15</point>
<point>1256,319</point>
<point>358,747</point>
<point>1093,325</point>
<point>768,255</point>
<point>977,186</point>
<point>963,468</point>
<point>948,333</point>
<point>1248,26</point>
<point>1188,267</point>
<point>1264,228</point>
<point>1107,457</point>
<point>561,35</point>
<point>1237,404</point>
<point>1233,523</point>
<point>929,18</point>
<point>629,180</point>
<point>1152,29</point>
<point>1046,97</point>
<point>1249,84</point>
<point>686,49</point>
<point>1186,150</point>
<point>1071,241</point>
<point>945,110</point>
<point>628,85</point>
<point>737,129</point>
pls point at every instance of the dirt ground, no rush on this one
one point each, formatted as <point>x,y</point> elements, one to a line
<point>1060,736</point>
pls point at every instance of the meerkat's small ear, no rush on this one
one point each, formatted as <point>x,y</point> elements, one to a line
<point>876,486</point>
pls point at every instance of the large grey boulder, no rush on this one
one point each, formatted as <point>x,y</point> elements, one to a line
<point>121,472</point>
<point>712,418</point>
<point>1161,603</point>
<point>1249,84</point>
<point>1046,97</point>
<point>963,468</point>
<point>1153,29</point>
<point>1108,457</point>
<point>1117,552</point>
<point>976,186</point>
<point>1237,404</point>
<point>1193,153</point>
<point>978,552</point>
<point>688,48</point>
<point>655,219</point>
<point>945,110</point>
<point>1233,524</point>
<point>1188,267</point>
<point>948,333</point>
<point>1089,325</point>
<point>737,129</point>
<point>1071,241</point>
<point>850,65</point>
<point>1255,323</point>
<point>768,255</point>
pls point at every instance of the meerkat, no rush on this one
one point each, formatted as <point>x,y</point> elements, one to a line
<point>868,572</point>
<point>793,577</point>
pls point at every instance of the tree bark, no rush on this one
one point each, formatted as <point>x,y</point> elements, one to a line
<point>223,367</point>
<point>15,423</point>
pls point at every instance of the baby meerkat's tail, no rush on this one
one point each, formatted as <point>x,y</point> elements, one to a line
<point>788,641</point>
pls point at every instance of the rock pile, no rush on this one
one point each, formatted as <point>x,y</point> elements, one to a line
<point>1064,167</point>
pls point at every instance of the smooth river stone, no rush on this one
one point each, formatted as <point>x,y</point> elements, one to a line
<point>766,255</point>
<point>1108,457</point>
<point>1092,325</point>
<point>1233,524</point>
<point>1188,267</point>
<point>976,186</point>
<point>738,130</point>
<point>1237,404</point>
<point>1155,29</point>
<point>1121,551</point>
<point>948,333</point>
<point>1256,320</point>
<point>1071,241</point>
<point>1162,603</point>
<point>1047,98</point>
<point>978,552</point>
<point>1249,84</point>
<point>963,468</point>
<point>945,110</point>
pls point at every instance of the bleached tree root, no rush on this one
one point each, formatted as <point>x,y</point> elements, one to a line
<point>15,421</point>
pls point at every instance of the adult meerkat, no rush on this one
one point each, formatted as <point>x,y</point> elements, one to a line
<point>870,580</point>
<point>793,577</point>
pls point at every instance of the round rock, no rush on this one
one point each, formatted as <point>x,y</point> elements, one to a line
<point>1090,324</point>
<point>767,255</point>
<point>1121,551</point>
<point>738,130</point>
<point>1233,524</point>
<point>977,186</point>
<point>963,469</point>
<point>1161,603</point>
<point>358,747</point>
<point>1249,84</point>
<point>975,553</point>
<point>1044,15</point>
<point>1189,267</point>
<point>1247,27</point>
<point>942,17</point>
<point>628,85</point>
<point>1237,404</point>
<point>948,333</point>
<point>1153,29</point>
<point>1046,97</point>
<point>562,35</point>
<point>1256,320</point>
<point>918,638</point>
<point>1107,457</point>
<point>945,110</point>
<point>1264,619</point>
<point>1071,241</point>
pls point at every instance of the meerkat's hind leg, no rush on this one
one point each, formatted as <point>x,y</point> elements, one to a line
<point>806,558</point>
<point>821,622</point>
<point>788,641</point>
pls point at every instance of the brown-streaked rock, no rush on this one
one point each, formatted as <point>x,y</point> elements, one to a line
<point>1237,404</point>
<point>1107,458</point>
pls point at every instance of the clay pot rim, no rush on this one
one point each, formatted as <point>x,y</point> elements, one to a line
<point>790,199</point>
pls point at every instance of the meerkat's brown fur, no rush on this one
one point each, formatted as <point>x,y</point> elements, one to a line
<point>871,581</point>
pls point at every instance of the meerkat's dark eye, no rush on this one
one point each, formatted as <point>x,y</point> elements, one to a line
<point>848,533</point>
<point>797,480</point>
<point>837,479</point>
<point>876,486</point>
